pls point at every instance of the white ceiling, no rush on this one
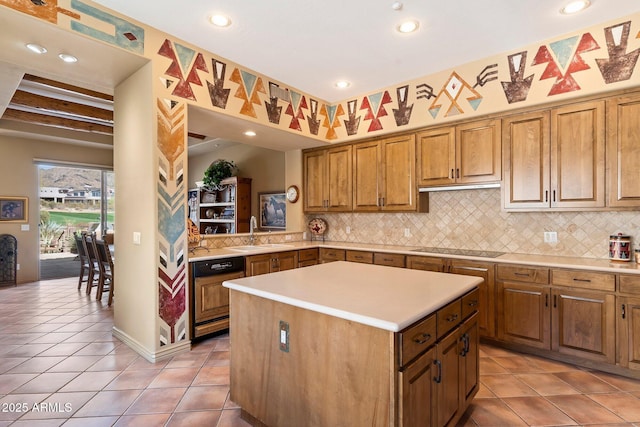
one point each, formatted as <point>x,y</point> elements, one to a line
<point>307,45</point>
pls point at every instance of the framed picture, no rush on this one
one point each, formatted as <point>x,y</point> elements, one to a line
<point>14,209</point>
<point>273,210</point>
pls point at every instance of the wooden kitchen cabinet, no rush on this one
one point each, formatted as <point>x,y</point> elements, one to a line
<point>270,263</point>
<point>462,154</point>
<point>210,303</point>
<point>524,315</point>
<point>330,255</point>
<point>486,290</point>
<point>307,257</point>
<point>438,386</point>
<point>365,257</point>
<point>623,151</point>
<point>628,322</point>
<point>555,159</point>
<point>328,179</point>
<point>384,175</point>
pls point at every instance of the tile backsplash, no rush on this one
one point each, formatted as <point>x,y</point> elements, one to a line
<point>472,219</point>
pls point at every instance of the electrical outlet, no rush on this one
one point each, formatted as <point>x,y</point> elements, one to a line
<point>137,236</point>
<point>284,336</point>
<point>348,230</point>
<point>550,237</point>
<point>287,237</point>
<point>17,266</point>
<point>407,232</point>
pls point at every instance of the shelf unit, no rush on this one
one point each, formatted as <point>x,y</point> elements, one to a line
<point>223,211</point>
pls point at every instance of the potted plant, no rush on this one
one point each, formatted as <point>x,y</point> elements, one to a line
<point>217,171</point>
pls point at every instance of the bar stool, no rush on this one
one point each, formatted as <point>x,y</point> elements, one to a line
<point>106,270</point>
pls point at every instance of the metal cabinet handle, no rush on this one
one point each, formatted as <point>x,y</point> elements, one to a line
<point>465,344</point>
<point>576,279</point>
<point>554,196</point>
<point>473,303</point>
<point>421,338</point>
<point>438,378</point>
<point>452,176</point>
<point>457,172</point>
<point>521,274</point>
<point>546,195</point>
<point>555,301</point>
<point>623,311</point>
<point>451,318</point>
<point>546,300</point>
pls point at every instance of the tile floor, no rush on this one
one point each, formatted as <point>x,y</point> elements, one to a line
<point>60,365</point>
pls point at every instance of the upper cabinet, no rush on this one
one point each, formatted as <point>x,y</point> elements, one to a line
<point>384,175</point>
<point>464,154</point>
<point>623,142</point>
<point>327,179</point>
<point>555,159</point>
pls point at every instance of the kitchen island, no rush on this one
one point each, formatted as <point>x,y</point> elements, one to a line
<point>348,344</point>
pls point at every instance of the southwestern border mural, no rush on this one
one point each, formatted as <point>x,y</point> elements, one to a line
<point>602,58</point>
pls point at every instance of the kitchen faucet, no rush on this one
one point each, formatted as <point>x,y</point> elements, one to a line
<point>252,225</point>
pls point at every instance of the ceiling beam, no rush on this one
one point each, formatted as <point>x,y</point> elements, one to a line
<point>70,88</point>
<point>59,122</point>
<point>52,105</point>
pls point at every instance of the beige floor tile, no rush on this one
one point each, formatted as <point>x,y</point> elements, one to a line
<point>157,400</point>
<point>537,411</point>
<point>179,377</point>
<point>49,382</point>
<point>547,384</point>
<point>583,410</point>
<point>194,418</point>
<point>624,405</point>
<point>203,398</point>
<point>131,380</point>
<point>106,403</point>
<point>506,386</point>
<point>585,382</point>
<point>492,413</point>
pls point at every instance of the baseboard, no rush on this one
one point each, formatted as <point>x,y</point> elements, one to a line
<point>164,352</point>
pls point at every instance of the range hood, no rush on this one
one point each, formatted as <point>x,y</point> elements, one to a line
<point>459,187</point>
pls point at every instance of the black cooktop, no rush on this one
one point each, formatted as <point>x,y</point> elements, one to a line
<point>464,252</point>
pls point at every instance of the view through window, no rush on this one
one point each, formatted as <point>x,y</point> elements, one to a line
<point>73,200</point>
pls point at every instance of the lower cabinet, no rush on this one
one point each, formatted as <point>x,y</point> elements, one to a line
<point>307,257</point>
<point>628,316</point>
<point>270,263</point>
<point>330,255</point>
<point>438,386</point>
<point>211,304</point>
<point>537,309</point>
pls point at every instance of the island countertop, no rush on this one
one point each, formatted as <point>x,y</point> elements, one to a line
<point>384,297</point>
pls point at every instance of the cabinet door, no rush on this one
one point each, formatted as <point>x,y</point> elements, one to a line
<point>623,155</point>
<point>257,264</point>
<point>417,402</point>
<point>339,191</point>
<point>577,155</point>
<point>584,324</point>
<point>523,314</point>
<point>284,261</point>
<point>486,294</point>
<point>436,151</point>
<point>629,332</point>
<point>447,379</point>
<point>315,177</point>
<point>478,152</point>
<point>525,144</point>
<point>469,358</point>
<point>398,173</point>
<point>366,176</point>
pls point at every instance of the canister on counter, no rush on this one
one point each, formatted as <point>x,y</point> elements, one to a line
<point>620,247</point>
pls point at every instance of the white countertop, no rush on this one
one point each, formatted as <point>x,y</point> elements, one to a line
<point>595,264</point>
<point>384,297</point>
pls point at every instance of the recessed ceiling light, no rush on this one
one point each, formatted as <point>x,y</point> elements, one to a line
<point>220,20</point>
<point>33,47</point>
<point>250,133</point>
<point>68,58</point>
<point>575,7</point>
<point>408,26</point>
<point>343,84</point>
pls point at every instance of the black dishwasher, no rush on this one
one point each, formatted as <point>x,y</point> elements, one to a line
<point>209,299</point>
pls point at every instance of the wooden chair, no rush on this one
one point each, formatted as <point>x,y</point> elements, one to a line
<point>85,267</point>
<point>94,262</point>
<point>106,269</point>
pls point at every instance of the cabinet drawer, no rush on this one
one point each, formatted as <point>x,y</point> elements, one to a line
<point>470,303</point>
<point>328,254</point>
<point>630,284</point>
<point>425,263</point>
<point>417,338</point>
<point>523,274</point>
<point>448,317</point>
<point>584,279</point>
<point>308,254</point>
<point>360,256</point>
<point>307,263</point>
<point>391,260</point>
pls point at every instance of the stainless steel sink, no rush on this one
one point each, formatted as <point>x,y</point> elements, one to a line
<point>275,245</point>
<point>243,248</point>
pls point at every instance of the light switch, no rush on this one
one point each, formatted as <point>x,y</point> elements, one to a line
<point>136,237</point>
<point>24,227</point>
<point>284,336</point>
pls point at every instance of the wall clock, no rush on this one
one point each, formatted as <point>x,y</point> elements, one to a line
<point>293,193</point>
